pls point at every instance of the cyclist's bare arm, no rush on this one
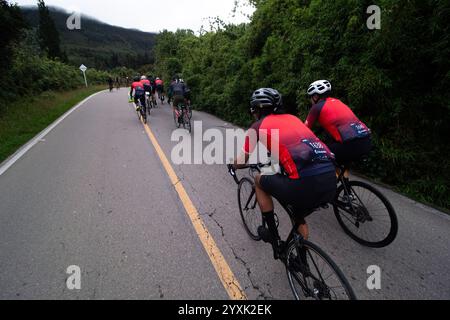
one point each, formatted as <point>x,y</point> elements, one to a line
<point>241,161</point>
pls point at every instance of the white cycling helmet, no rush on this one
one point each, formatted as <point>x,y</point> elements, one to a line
<point>158,79</point>
<point>181,81</point>
<point>319,87</point>
<point>143,78</point>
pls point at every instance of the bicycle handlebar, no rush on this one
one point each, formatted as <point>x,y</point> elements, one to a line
<point>256,167</point>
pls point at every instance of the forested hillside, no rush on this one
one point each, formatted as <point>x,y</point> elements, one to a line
<point>396,79</point>
<point>32,60</point>
<point>98,44</point>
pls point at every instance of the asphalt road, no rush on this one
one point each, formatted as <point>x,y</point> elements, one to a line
<point>93,193</point>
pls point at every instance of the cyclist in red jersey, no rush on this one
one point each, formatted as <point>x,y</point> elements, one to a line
<point>146,84</point>
<point>351,137</point>
<point>139,92</point>
<point>308,175</point>
<point>159,87</point>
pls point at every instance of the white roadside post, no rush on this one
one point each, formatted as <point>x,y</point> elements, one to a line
<point>83,69</point>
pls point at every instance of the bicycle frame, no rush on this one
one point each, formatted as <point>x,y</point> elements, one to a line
<point>294,236</point>
<point>344,182</point>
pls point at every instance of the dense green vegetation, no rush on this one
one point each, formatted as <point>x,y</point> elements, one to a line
<point>32,62</point>
<point>98,45</point>
<point>396,79</point>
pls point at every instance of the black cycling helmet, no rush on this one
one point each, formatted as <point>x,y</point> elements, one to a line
<point>137,79</point>
<point>265,98</point>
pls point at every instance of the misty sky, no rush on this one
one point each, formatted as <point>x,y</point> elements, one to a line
<point>151,15</point>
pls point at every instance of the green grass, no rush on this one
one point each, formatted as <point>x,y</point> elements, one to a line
<point>25,118</point>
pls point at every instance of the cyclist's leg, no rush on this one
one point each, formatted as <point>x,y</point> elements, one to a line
<point>153,96</point>
<point>143,100</point>
<point>136,102</point>
<point>302,194</point>
<point>351,151</point>
<point>140,101</point>
<point>266,205</point>
<point>339,150</point>
<point>265,200</point>
<point>177,100</point>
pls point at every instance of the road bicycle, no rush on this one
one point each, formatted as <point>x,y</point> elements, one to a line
<point>154,103</point>
<point>181,117</point>
<point>364,213</point>
<point>161,96</point>
<point>141,111</point>
<point>312,274</point>
<point>148,102</point>
<point>189,109</point>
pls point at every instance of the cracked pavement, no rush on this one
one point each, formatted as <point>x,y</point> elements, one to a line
<point>94,194</point>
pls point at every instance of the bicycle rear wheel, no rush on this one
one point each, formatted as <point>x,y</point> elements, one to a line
<point>149,106</point>
<point>187,121</point>
<point>176,120</point>
<point>366,215</point>
<point>312,274</point>
<point>144,114</point>
<point>250,215</point>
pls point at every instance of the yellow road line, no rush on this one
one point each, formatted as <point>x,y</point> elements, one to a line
<point>222,268</point>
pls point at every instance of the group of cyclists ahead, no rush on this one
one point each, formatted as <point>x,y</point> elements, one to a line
<point>144,88</point>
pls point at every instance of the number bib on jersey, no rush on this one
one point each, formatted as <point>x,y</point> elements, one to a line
<point>318,152</point>
<point>355,130</point>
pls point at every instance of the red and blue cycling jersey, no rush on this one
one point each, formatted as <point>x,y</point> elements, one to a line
<point>338,120</point>
<point>301,153</point>
<point>147,85</point>
<point>138,88</point>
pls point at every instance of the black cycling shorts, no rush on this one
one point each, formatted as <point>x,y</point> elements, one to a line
<point>141,98</point>
<point>177,100</point>
<point>304,194</point>
<point>351,151</point>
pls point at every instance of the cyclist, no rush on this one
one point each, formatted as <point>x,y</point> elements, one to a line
<point>111,84</point>
<point>177,90</point>
<point>153,92</point>
<point>170,93</point>
<point>139,93</point>
<point>147,86</point>
<point>159,87</point>
<point>351,137</point>
<point>308,179</point>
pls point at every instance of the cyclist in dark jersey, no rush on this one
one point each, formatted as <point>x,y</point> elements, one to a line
<point>351,137</point>
<point>308,179</point>
<point>177,91</point>
<point>153,92</point>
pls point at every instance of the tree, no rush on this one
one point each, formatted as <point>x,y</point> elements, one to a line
<point>12,24</point>
<point>48,34</point>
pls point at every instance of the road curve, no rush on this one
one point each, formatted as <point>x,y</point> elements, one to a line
<point>93,193</point>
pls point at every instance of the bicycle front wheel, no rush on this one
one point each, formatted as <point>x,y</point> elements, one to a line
<point>313,275</point>
<point>250,215</point>
<point>365,214</point>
